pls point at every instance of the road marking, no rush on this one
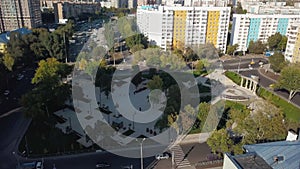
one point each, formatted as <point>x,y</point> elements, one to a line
<point>179,157</point>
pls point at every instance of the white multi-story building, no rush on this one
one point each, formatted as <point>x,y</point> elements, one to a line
<point>218,3</point>
<point>167,26</point>
<point>247,27</point>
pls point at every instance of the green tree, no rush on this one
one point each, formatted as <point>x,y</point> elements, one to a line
<point>18,49</point>
<point>199,66</point>
<point>136,39</point>
<point>220,142</point>
<point>136,48</point>
<point>189,54</point>
<point>155,83</point>
<point>98,52</point>
<point>8,61</point>
<point>93,67</point>
<point>50,93</point>
<point>47,72</point>
<point>231,49</point>
<point>282,43</point>
<point>239,9</point>
<point>256,47</point>
<point>274,40</point>
<point>290,79</point>
<point>277,62</point>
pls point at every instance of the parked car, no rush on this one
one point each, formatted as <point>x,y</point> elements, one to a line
<point>102,165</point>
<point>162,156</point>
<point>20,77</point>
<point>6,92</point>
<point>127,167</point>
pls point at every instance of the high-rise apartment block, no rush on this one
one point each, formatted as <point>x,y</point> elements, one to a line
<point>16,14</point>
<point>167,26</point>
<point>292,52</point>
<point>247,27</point>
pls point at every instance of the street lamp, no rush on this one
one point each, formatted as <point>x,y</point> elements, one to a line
<point>141,143</point>
<point>14,153</point>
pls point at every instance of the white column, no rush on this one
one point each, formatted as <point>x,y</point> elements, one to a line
<point>246,84</point>
<point>242,81</point>
<point>251,85</point>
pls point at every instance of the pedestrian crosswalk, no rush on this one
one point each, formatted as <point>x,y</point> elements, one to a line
<point>180,159</point>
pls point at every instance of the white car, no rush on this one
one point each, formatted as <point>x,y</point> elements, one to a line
<point>39,165</point>
<point>162,156</point>
<point>6,92</point>
<point>127,167</point>
<point>20,77</point>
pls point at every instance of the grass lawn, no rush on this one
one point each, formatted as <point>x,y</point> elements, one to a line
<point>291,112</point>
<point>234,77</point>
<point>44,139</point>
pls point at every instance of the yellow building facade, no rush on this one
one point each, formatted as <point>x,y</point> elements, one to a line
<point>179,29</point>
<point>212,27</point>
<point>296,52</point>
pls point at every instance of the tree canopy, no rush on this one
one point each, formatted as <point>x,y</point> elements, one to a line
<point>277,62</point>
<point>290,79</point>
<point>231,49</point>
<point>50,93</point>
<point>155,83</point>
<point>277,41</point>
<point>256,47</point>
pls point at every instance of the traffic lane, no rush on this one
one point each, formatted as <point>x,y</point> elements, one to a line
<point>17,89</point>
<point>237,60</point>
<point>244,63</point>
<point>12,128</point>
<point>90,161</point>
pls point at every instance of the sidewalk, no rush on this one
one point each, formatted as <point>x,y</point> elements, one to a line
<point>195,138</point>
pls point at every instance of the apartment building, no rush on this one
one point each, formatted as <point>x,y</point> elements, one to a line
<point>216,3</point>
<point>168,26</point>
<point>292,52</point>
<point>15,14</point>
<point>64,10</point>
<point>247,27</point>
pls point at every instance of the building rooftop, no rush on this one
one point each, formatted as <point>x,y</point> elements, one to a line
<point>4,37</point>
<point>280,154</point>
<point>250,161</point>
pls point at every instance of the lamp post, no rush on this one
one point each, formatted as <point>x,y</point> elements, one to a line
<point>18,163</point>
<point>141,144</point>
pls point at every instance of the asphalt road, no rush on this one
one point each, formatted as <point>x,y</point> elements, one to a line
<point>89,161</point>
<point>12,130</point>
<point>17,88</point>
<point>243,63</point>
